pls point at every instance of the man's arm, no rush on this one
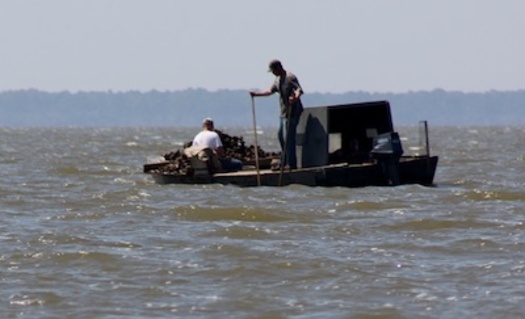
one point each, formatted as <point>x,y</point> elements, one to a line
<point>262,93</point>
<point>298,90</point>
<point>295,96</point>
<point>219,151</point>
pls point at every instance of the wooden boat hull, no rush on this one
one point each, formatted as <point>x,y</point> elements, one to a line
<point>409,170</point>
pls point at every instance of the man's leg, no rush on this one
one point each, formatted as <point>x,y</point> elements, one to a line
<point>280,135</point>
<point>231,164</point>
<point>290,144</point>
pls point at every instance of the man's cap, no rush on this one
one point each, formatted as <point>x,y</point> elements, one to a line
<point>207,120</point>
<point>274,64</point>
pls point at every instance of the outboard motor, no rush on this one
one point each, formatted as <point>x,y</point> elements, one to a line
<point>387,150</point>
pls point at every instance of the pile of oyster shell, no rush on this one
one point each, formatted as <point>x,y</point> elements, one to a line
<point>234,146</point>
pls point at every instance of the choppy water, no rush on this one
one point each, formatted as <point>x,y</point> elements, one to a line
<point>84,234</point>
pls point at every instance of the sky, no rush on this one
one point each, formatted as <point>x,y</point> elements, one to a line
<point>336,46</point>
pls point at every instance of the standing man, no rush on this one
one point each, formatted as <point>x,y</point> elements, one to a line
<point>209,138</point>
<point>290,91</point>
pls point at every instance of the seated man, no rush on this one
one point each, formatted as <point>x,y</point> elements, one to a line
<point>209,138</point>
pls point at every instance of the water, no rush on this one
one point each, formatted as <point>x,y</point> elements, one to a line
<point>85,234</point>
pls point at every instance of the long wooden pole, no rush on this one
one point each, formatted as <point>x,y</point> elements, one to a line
<point>256,144</point>
<point>426,138</point>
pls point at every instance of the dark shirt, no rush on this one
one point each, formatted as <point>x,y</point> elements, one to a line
<point>286,86</point>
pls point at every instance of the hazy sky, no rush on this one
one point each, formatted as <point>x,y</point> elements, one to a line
<point>331,45</point>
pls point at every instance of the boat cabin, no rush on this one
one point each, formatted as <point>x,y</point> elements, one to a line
<point>341,133</point>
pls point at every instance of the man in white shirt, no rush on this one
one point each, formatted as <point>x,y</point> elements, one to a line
<point>209,138</point>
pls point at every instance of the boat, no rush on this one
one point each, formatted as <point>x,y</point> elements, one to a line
<point>346,145</point>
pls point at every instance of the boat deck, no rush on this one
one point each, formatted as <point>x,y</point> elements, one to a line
<point>412,170</point>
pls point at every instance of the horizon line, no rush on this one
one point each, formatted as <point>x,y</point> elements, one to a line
<point>111,91</point>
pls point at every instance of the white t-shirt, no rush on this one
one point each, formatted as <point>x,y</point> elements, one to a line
<point>208,139</point>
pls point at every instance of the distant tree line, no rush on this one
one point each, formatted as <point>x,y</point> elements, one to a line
<point>34,108</point>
